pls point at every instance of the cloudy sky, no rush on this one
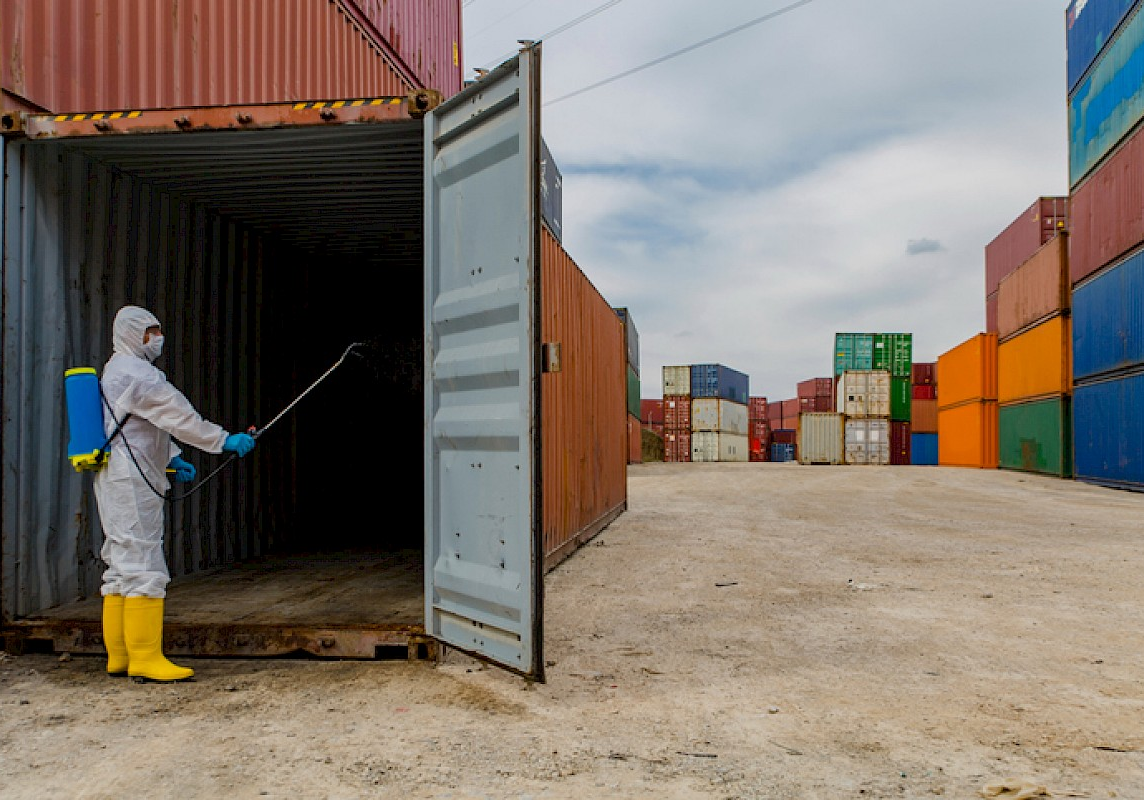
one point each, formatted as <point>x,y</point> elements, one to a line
<point>840,167</point>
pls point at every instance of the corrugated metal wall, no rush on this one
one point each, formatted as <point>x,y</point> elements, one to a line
<point>96,55</point>
<point>82,240</point>
<point>584,431</point>
<point>426,35</point>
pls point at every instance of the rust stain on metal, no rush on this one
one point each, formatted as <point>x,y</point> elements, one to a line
<point>183,639</point>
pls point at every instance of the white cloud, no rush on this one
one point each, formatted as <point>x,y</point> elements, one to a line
<point>748,200</point>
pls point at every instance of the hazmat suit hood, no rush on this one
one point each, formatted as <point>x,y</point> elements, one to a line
<point>127,332</point>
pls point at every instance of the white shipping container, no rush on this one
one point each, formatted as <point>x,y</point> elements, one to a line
<point>676,380</point>
<point>712,446</point>
<point>721,416</point>
<point>867,441</point>
<point>864,393</point>
<point>821,438</point>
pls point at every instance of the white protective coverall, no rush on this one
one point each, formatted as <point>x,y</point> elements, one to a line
<point>132,514</point>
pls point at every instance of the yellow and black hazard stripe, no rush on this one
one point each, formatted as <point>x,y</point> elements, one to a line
<point>371,102</point>
<point>97,116</point>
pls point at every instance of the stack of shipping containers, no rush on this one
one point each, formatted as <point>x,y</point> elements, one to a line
<point>677,413</point>
<point>719,413</point>
<point>783,419</point>
<point>820,430</point>
<point>1034,227</point>
<point>893,354</point>
<point>632,378</point>
<point>1034,355</point>
<point>864,400</point>
<point>967,403</point>
<point>1106,260</point>
<point>923,415</point>
<point>758,429</point>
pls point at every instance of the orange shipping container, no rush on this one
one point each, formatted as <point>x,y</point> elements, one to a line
<point>968,371</point>
<point>584,438</point>
<point>1036,363</point>
<point>1036,290</point>
<point>923,416</point>
<point>968,435</point>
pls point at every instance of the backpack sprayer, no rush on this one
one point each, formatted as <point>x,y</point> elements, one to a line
<point>88,442</point>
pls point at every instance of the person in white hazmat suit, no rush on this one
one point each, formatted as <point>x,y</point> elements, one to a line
<point>131,511</point>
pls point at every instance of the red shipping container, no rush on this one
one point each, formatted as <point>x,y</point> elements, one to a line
<point>635,441</point>
<point>923,373</point>
<point>784,436</point>
<point>111,55</point>
<point>775,414</point>
<point>677,446</point>
<point>651,412</point>
<point>677,413</point>
<point>760,450</point>
<point>759,429</point>
<point>925,392</point>
<point>1034,227</point>
<point>1109,218</point>
<point>425,35</point>
<point>816,387</point>
<point>791,410</point>
<point>900,444</point>
<point>757,408</point>
<point>810,405</point>
<point>991,324</point>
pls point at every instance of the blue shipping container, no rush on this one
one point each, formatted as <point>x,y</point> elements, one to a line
<point>923,449</point>
<point>1109,102</point>
<point>1108,432</point>
<point>1108,320</point>
<point>715,380</point>
<point>782,452</point>
<point>1089,25</point>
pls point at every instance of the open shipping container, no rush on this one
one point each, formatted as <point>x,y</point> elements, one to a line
<point>415,499</point>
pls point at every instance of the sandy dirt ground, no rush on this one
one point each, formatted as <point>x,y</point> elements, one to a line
<point>743,631</point>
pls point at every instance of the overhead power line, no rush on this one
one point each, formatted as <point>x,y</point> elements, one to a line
<point>587,15</point>
<point>757,21</point>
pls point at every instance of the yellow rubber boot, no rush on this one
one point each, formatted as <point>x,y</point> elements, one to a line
<point>113,635</point>
<point>143,633</point>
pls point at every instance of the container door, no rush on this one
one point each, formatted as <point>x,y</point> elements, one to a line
<point>483,546</point>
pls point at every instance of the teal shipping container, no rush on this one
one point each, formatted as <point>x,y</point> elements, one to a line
<point>892,352</point>
<point>1037,437</point>
<point>852,352</point>
<point>1108,103</point>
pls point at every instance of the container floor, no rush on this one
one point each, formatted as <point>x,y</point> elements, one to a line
<point>353,604</point>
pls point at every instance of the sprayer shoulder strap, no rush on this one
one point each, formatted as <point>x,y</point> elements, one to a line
<point>119,423</point>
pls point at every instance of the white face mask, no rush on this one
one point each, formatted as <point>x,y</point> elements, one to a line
<point>153,347</point>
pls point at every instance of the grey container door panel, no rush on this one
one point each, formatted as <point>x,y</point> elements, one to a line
<point>483,554</point>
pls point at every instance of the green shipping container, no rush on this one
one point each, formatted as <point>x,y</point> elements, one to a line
<point>853,351</point>
<point>901,399</point>
<point>1037,437</point>
<point>902,355</point>
<point>633,392</point>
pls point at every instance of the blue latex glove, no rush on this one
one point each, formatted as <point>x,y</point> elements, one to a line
<point>184,471</point>
<point>240,443</point>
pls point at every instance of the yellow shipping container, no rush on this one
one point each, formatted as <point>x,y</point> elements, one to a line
<point>967,435</point>
<point>968,371</point>
<point>1036,363</point>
